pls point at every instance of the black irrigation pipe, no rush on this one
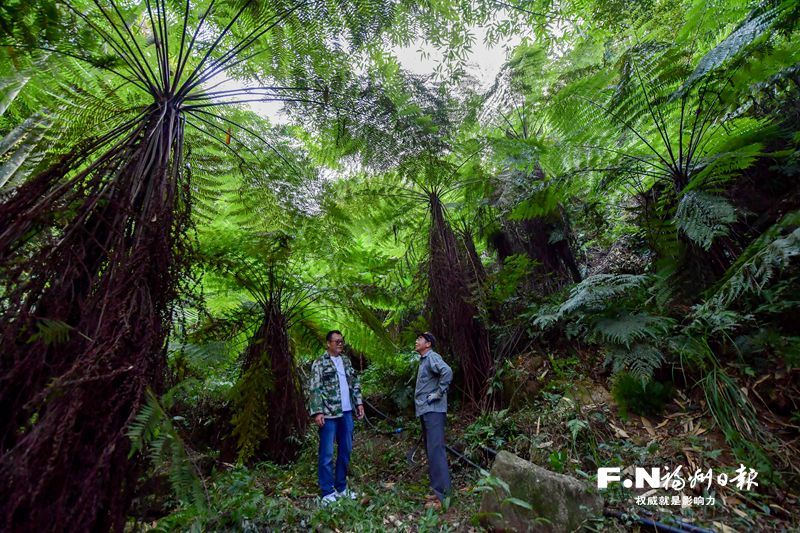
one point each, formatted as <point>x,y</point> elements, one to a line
<point>394,431</point>
<point>411,454</point>
<point>679,527</point>
<point>461,456</point>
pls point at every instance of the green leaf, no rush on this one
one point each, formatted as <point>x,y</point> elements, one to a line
<point>519,503</point>
<point>51,331</point>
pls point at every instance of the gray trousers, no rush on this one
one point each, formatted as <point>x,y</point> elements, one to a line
<point>433,436</point>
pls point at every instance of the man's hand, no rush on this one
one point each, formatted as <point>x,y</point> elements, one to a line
<point>319,420</point>
<point>434,396</point>
<point>359,412</point>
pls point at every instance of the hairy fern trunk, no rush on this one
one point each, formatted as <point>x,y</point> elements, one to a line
<point>454,315</point>
<point>269,408</point>
<point>107,272</point>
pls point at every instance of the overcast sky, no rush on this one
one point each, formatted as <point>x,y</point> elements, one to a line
<point>484,64</point>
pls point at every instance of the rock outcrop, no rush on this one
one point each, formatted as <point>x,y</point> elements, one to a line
<point>559,503</point>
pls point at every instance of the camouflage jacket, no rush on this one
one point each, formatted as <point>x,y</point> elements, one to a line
<point>324,392</point>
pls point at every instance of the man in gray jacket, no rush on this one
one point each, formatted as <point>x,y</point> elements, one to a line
<point>430,402</point>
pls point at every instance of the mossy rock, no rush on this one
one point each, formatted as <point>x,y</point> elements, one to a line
<point>590,393</point>
<point>558,503</point>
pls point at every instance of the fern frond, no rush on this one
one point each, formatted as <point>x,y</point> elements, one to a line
<point>143,430</point>
<point>759,263</point>
<point>251,409</point>
<point>640,360</point>
<point>704,217</point>
<point>546,317</point>
<point>595,292</point>
<point>202,357</point>
<point>743,37</point>
<point>51,331</point>
<point>152,430</point>
<point>627,328</point>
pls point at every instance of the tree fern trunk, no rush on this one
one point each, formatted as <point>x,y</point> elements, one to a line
<point>453,313</point>
<point>281,417</point>
<point>108,268</point>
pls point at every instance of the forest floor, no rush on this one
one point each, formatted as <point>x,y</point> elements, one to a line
<point>570,425</point>
<point>392,492</point>
<point>568,429</point>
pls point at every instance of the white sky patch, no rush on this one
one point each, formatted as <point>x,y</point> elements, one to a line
<point>484,61</point>
<point>272,111</point>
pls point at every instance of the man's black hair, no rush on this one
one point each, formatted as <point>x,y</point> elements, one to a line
<point>428,337</point>
<point>331,333</point>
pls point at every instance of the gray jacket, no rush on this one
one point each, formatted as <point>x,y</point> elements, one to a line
<point>433,376</point>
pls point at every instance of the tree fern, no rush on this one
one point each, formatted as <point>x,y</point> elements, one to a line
<point>658,138</point>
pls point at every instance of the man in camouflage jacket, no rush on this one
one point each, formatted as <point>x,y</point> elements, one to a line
<point>334,393</point>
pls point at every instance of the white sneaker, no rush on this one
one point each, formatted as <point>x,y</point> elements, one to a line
<point>329,499</point>
<point>347,493</point>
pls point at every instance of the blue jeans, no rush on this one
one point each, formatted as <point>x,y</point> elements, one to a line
<point>340,429</point>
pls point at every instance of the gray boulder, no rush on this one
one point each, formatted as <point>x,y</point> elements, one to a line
<point>564,501</point>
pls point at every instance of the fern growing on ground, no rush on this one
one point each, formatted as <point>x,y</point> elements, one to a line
<point>603,309</point>
<point>625,328</point>
<point>640,360</point>
<point>595,292</point>
<point>153,433</point>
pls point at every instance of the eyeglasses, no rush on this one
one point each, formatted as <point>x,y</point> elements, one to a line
<point>338,341</point>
